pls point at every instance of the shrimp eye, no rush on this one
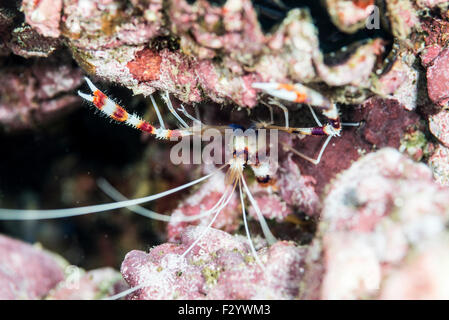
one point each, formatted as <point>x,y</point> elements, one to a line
<point>264,180</point>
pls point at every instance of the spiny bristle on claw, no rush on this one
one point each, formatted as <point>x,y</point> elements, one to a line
<point>114,111</point>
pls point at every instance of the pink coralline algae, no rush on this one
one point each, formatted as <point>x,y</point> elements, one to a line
<point>435,39</point>
<point>220,266</point>
<point>202,200</point>
<point>380,215</point>
<point>403,18</point>
<point>439,163</point>
<point>423,277</point>
<point>91,285</point>
<point>399,81</point>
<point>146,66</point>
<point>29,272</point>
<point>36,95</point>
<point>290,190</point>
<point>437,81</point>
<point>435,58</point>
<point>356,70</point>
<point>115,43</point>
<point>23,40</point>
<point>26,272</point>
<point>43,16</point>
<point>379,219</point>
<point>439,126</point>
<point>349,16</point>
<point>206,29</point>
<point>385,123</point>
<point>430,3</point>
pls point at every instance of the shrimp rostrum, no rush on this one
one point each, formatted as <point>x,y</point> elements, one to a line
<point>245,150</point>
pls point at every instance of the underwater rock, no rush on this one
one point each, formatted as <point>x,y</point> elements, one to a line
<point>435,40</point>
<point>439,163</point>
<point>37,94</point>
<point>376,216</point>
<point>90,285</point>
<point>293,47</point>
<point>383,123</point>
<point>202,200</point>
<point>437,81</point>
<point>423,276</point>
<point>403,18</point>
<point>26,272</point>
<point>44,16</point>
<point>386,122</point>
<point>135,54</point>
<point>349,16</point>
<point>94,27</point>
<point>400,80</point>
<point>270,204</point>
<point>219,266</point>
<point>414,143</point>
<point>439,126</point>
<point>435,57</point>
<point>7,17</point>
<point>206,29</point>
<point>297,190</point>
<point>26,42</point>
<point>355,69</point>
<point>430,3</point>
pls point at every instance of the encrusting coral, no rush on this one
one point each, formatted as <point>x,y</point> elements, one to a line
<point>362,223</point>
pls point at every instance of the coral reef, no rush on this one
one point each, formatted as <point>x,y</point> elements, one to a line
<point>37,94</point>
<point>90,285</point>
<point>220,266</point>
<point>29,272</point>
<point>26,272</point>
<point>366,222</point>
<point>383,219</point>
<point>202,200</point>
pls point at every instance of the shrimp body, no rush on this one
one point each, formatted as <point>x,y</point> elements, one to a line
<point>245,149</point>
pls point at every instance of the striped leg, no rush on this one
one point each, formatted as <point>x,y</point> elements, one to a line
<point>302,94</point>
<point>111,109</point>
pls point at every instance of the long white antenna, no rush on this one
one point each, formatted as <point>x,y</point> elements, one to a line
<point>250,241</point>
<point>17,214</point>
<point>265,229</point>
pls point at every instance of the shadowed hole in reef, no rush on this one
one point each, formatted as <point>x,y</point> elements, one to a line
<point>29,157</point>
<point>331,39</point>
<point>42,165</point>
<point>272,12</point>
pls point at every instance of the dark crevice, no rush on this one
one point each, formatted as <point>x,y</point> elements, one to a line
<point>331,38</point>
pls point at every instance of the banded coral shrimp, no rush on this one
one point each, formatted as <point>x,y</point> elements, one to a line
<point>243,151</point>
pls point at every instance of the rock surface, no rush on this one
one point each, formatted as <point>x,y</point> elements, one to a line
<point>26,272</point>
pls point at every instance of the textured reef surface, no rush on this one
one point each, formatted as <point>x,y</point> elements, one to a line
<point>369,221</point>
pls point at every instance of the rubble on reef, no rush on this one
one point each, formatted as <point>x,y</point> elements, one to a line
<point>37,94</point>
<point>202,200</point>
<point>349,16</point>
<point>94,284</point>
<point>29,272</point>
<point>26,272</point>
<point>219,266</point>
<point>369,221</point>
<point>383,219</point>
